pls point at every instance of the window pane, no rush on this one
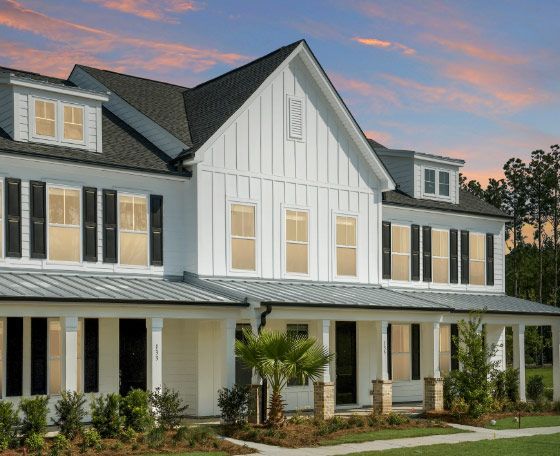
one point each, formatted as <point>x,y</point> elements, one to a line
<point>64,243</point>
<point>243,220</point>
<point>401,367</point>
<point>400,338</point>
<point>45,124</point>
<point>73,123</point>
<point>302,226</point>
<point>126,213</point>
<point>400,239</point>
<point>440,243</point>
<point>140,214</point>
<point>134,249</point>
<point>243,254</point>
<point>55,351</point>
<point>346,231</point>
<point>445,363</point>
<point>476,273</point>
<point>444,183</point>
<point>345,261</point>
<point>444,338</point>
<point>296,258</point>
<point>249,221</point>
<point>440,270</point>
<point>400,267</point>
<point>476,246</point>
<point>429,181</point>
<point>72,207</point>
<point>291,226</point>
<point>56,205</point>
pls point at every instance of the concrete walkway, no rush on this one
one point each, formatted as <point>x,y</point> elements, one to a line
<point>476,434</point>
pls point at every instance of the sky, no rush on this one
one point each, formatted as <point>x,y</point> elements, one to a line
<point>476,80</point>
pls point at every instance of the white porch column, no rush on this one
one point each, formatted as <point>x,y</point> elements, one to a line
<point>382,390</point>
<point>228,331</point>
<point>155,353</point>
<point>323,388</point>
<point>70,353</point>
<point>323,337</point>
<point>496,335</point>
<point>519,356</point>
<point>556,360</point>
<point>433,383</point>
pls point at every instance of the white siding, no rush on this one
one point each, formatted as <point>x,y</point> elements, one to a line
<point>254,161</point>
<point>7,110</point>
<point>420,165</point>
<point>141,123</point>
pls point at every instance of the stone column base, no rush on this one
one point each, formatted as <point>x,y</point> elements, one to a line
<point>433,394</point>
<point>254,404</point>
<point>323,400</point>
<point>382,396</point>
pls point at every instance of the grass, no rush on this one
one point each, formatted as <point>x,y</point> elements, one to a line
<point>388,434</point>
<point>526,422</point>
<point>546,372</point>
<point>543,445</point>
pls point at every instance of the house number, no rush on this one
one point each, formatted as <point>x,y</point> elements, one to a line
<point>157,352</point>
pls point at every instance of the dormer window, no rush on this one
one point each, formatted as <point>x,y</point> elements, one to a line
<point>436,183</point>
<point>429,181</point>
<point>73,123</point>
<point>45,118</point>
<point>444,183</point>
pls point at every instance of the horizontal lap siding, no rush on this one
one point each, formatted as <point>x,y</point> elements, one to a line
<point>253,161</point>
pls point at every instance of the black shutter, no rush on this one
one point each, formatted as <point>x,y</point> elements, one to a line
<point>38,356</point>
<point>389,356</point>
<point>90,224</point>
<point>489,259</point>
<point>156,230</point>
<point>415,348</point>
<point>427,253</point>
<point>386,246</point>
<point>91,355</point>
<point>14,356</point>
<point>464,257</point>
<point>453,257</point>
<point>415,252</point>
<point>110,226</point>
<point>13,218</point>
<point>37,219</point>
<point>454,344</point>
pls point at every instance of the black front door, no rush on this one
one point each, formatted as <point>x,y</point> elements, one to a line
<point>345,362</point>
<point>132,355</point>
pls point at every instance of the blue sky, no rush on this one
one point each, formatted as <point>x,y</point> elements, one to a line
<point>475,79</point>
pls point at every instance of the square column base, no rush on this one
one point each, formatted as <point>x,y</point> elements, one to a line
<point>433,394</point>
<point>254,404</point>
<point>382,396</point>
<point>323,400</point>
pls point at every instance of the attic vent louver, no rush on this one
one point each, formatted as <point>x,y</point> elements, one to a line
<point>296,127</point>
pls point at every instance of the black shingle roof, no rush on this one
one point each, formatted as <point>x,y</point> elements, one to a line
<point>468,203</point>
<point>35,76</point>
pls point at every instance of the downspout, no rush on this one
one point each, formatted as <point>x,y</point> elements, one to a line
<point>265,314</point>
<point>264,389</point>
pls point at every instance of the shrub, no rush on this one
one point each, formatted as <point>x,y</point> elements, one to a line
<point>234,405</point>
<point>556,407</point>
<point>535,388</point>
<point>34,420</point>
<point>105,415</point>
<point>34,443</point>
<point>60,445</point>
<point>396,419</point>
<point>357,421</point>
<point>70,413</point>
<point>168,407</point>
<point>199,435</point>
<point>181,435</point>
<point>128,435</point>
<point>155,438</point>
<point>9,422</point>
<point>135,410</point>
<point>91,439</point>
<point>299,418</point>
<point>336,423</point>
<point>506,384</point>
<point>549,394</point>
<point>458,408</point>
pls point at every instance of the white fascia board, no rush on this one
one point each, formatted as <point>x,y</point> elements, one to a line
<point>404,153</point>
<point>55,88</point>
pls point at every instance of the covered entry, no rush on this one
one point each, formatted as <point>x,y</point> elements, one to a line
<point>132,355</point>
<point>345,362</point>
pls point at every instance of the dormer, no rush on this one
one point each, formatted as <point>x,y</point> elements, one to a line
<point>423,175</point>
<point>50,111</point>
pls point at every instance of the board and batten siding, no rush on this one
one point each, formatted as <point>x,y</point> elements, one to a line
<point>254,161</point>
<point>447,221</point>
<point>7,110</point>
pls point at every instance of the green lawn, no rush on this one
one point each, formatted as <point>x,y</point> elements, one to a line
<point>388,434</point>
<point>526,422</point>
<point>546,372</point>
<point>543,445</point>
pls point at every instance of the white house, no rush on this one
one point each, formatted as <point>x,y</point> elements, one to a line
<point>143,225</point>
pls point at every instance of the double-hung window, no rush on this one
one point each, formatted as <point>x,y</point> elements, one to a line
<point>346,246</point>
<point>133,230</point>
<point>476,259</point>
<point>64,224</point>
<point>243,237</point>
<point>400,352</point>
<point>400,252</point>
<point>444,183</point>
<point>55,352</point>
<point>429,181</point>
<point>444,349</point>
<point>45,118</point>
<point>297,242</point>
<point>300,331</point>
<point>73,123</point>
<point>440,256</point>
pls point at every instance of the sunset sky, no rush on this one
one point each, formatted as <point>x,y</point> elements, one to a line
<point>477,80</point>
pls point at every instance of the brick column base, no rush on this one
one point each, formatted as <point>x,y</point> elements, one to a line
<point>382,396</point>
<point>254,404</point>
<point>323,400</point>
<point>433,394</point>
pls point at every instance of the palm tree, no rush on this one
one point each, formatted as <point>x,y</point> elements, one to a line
<point>279,357</point>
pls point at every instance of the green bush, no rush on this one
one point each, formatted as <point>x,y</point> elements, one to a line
<point>535,388</point>
<point>234,405</point>
<point>128,435</point>
<point>506,384</point>
<point>34,443</point>
<point>70,413</point>
<point>396,419</point>
<point>155,438</point>
<point>60,445</point>
<point>357,421</point>
<point>199,435</point>
<point>91,439</point>
<point>336,423</point>
<point>168,407</point>
<point>105,415</point>
<point>135,410</point>
<point>9,422</point>
<point>34,422</point>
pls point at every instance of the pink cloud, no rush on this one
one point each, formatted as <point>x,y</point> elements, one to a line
<point>374,42</point>
<point>154,11</point>
<point>379,136</point>
<point>374,96</point>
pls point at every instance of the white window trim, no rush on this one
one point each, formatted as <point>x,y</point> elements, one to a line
<point>285,273</point>
<point>436,194</point>
<point>84,111</point>
<point>343,278</point>
<point>448,183</point>
<point>402,254</point>
<point>483,261</point>
<point>229,256</point>
<point>32,118</point>
<point>303,118</point>
<point>47,221</point>
<point>448,257</point>
<point>133,266</point>
<point>409,352</point>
